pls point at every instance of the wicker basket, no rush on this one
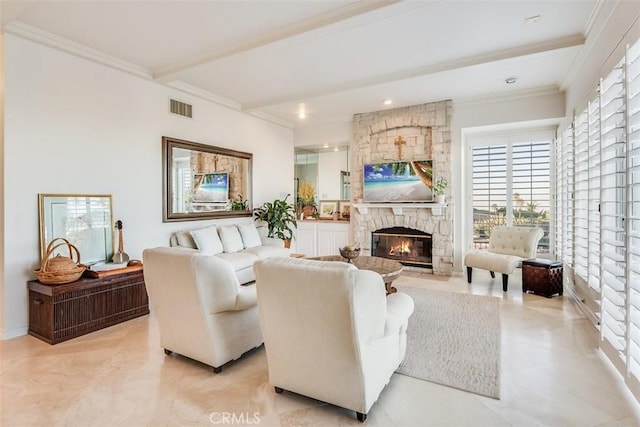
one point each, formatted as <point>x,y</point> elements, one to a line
<point>60,269</point>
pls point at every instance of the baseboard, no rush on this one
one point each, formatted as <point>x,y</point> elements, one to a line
<point>13,333</point>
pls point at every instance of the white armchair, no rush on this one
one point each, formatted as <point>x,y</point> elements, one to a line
<point>330,332</point>
<point>508,247</point>
<point>202,311</point>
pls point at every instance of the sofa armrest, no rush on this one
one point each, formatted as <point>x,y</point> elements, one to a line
<point>399,307</point>
<point>246,298</point>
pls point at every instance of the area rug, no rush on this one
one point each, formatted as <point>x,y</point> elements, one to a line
<point>453,339</point>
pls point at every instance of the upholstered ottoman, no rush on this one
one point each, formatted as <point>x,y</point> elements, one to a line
<point>542,277</point>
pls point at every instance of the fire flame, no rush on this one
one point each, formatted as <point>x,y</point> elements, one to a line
<point>403,249</point>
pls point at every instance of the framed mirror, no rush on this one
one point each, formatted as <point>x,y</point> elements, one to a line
<point>204,182</point>
<point>85,220</point>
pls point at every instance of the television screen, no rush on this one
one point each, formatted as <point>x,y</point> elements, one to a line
<point>398,181</point>
<point>211,187</point>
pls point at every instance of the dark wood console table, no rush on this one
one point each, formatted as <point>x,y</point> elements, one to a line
<point>61,312</point>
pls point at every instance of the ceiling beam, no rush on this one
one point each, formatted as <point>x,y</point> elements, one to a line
<point>313,23</point>
<point>500,55</point>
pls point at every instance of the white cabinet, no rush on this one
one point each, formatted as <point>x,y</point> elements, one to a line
<point>320,238</point>
<point>330,237</point>
<point>305,239</point>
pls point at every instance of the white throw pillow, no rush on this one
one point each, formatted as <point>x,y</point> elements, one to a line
<point>250,236</point>
<point>207,240</point>
<point>231,239</point>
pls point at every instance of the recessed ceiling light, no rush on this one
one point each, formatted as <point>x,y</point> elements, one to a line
<point>531,20</point>
<point>511,80</point>
<point>302,115</point>
<point>388,102</point>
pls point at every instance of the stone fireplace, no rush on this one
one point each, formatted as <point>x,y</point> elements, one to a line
<point>426,130</point>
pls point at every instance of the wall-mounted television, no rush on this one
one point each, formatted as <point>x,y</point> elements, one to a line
<point>398,181</point>
<point>211,187</point>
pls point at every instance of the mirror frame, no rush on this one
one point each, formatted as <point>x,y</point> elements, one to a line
<point>44,209</point>
<point>168,214</point>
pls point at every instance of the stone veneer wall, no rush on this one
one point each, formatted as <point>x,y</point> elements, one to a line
<point>426,129</point>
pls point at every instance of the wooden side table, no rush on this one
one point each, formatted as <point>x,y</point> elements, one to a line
<point>60,312</point>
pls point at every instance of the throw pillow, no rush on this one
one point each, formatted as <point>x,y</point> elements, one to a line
<point>250,236</point>
<point>207,240</point>
<point>231,239</point>
<point>185,240</point>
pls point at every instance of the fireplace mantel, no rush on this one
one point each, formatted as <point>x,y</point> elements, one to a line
<point>436,208</point>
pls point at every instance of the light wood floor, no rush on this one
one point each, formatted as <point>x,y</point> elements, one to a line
<point>552,374</point>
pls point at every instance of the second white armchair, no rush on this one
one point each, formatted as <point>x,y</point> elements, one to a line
<point>330,331</point>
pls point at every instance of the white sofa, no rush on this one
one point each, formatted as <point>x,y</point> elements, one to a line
<point>203,312</point>
<point>330,331</point>
<point>508,247</point>
<point>238,245</point>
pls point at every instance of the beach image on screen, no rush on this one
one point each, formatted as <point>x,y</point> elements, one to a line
<point>398,182</point>
<point>211,187</point>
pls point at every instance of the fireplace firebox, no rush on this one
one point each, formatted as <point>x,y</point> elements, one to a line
<point>405,245</point>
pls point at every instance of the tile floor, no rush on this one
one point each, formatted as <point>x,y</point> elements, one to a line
<point>552,375</point>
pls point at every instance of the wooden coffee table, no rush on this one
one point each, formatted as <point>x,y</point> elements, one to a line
<point>389,270</point>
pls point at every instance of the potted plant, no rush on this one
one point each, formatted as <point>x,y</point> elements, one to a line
<point>438,188</point>
<point>239,204</point>
<point>280,218</point>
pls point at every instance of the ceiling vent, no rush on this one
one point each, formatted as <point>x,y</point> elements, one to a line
<point>181,108</point>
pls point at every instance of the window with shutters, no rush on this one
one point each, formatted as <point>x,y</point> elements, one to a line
<point>511,184</point>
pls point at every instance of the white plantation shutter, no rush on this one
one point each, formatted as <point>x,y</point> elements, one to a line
<point>531,181</point>
<point>633,210</point>
<point>612,215</point>
<point>489,191</point>
<point>567,197</point>
<point>558,199</point>
<point>593,279</point>
<point>581,195</point>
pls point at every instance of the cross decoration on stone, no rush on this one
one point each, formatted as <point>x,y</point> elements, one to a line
<point>398,143</point>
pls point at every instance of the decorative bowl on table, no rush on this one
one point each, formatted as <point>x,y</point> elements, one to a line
<point>349,252</point>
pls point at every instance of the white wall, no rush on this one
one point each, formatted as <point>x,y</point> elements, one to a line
<point>329,166</point>
<point>74,126</point>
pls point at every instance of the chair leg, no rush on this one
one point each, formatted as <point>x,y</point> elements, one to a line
<point>217,370</point>
<point>505,282</point>
<point>278,390</point>
<point>493,275</point>
<point>361,417</point>
<point>469,270</point>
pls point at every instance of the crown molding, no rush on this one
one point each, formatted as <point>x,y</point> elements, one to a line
<point>509,96</point>
<point>204,94</point>
<point>271,118</point>
<point>46,38</point>
<point>596,23</point>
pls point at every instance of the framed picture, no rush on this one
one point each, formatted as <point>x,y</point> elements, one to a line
<point>327,208</point>
<point>345,209</point>
<point>85,220</point>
